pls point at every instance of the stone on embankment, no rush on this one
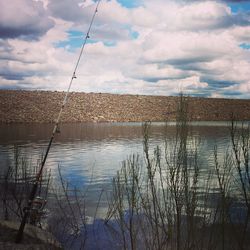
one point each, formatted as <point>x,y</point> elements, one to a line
<point>43,106</point>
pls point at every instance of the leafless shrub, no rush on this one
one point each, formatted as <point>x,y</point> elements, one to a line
<point>167,202</point>
<point>16,182</point>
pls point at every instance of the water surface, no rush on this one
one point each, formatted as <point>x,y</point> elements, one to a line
<point>90,154</point>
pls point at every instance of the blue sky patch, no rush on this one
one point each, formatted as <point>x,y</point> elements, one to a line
<point>245,45</point>
<point>75,40</point>
<point>240,6</point>
<point>133,34</point>
<point>109,43</point>
<point>129,3</point>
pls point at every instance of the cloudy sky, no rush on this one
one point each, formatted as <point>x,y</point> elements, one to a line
<point>152,47</point>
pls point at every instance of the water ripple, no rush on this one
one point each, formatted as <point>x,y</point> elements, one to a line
<point>90,154</point>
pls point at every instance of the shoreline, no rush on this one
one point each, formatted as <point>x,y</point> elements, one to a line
<point>22,106</point>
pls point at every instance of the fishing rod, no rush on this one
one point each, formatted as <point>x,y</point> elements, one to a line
<point>55,130</point>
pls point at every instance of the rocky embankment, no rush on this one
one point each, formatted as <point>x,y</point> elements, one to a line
<point>43,106</point>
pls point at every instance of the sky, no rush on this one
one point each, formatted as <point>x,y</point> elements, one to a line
<point>149,47</point>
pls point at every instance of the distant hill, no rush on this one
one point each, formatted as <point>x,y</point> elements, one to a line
<point>43,106</point>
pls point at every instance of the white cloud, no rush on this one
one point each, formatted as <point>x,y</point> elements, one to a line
<point>25,19</point>
<point>203,15</point>
<point>191,46</point>
<point>241,34</point>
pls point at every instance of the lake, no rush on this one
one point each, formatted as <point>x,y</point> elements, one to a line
<point>90,154</point>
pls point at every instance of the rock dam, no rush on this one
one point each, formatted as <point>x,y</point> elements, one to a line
<point>18,106</point>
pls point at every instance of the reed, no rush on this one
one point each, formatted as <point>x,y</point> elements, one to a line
<point>16,182</point>
<point>163,199</point>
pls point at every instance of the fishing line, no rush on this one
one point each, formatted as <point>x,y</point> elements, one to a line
<point>55,130</point>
